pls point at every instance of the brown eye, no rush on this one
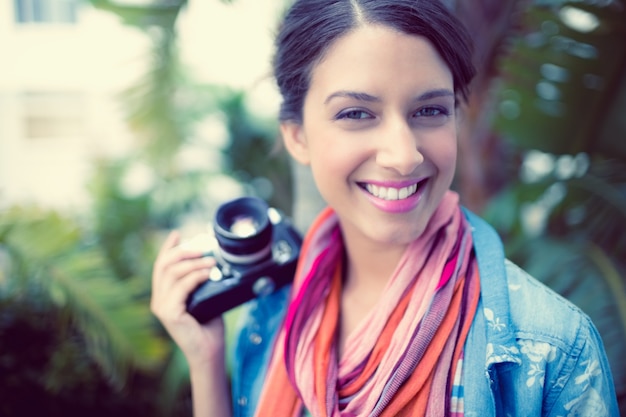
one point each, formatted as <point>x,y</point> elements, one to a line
<point>431,116</point>
<point>354,115</point>
<point>432,111</point>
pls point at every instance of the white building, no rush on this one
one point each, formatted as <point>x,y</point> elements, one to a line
<point>61,64</point>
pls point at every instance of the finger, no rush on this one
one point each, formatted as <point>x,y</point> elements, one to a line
<point>173,302</point>
<point>179,270</point>
<point>172,240</point>
<point>188,284</point>
<point>164,279</point>
<point>185,267</point>
<point>170,255</point>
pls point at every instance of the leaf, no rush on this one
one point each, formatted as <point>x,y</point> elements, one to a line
<point>53,264</point>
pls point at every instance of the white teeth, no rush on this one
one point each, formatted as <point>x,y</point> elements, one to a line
<point>390,193</point>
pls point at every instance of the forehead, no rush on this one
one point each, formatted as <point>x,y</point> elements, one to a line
<point>378,57</point>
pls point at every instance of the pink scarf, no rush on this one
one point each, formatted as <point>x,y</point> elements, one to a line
<point>401,359</point>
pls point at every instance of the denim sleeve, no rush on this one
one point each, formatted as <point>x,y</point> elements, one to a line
<point>585,385</point>
<point>259,324</point>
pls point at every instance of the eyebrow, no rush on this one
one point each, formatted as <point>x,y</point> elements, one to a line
<point>440,92</point>
<point>352,94</point>
<point>428,95</point>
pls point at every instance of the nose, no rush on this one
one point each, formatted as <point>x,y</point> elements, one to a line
<point>399,148</point>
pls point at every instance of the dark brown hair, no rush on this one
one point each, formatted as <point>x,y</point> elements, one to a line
<point>311,26</point>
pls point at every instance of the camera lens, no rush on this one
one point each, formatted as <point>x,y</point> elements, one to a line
<point>244,226</point>
<point>243,230</point>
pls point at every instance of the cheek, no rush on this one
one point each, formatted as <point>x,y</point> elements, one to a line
<point>330,151</point>
<point>444,152</point>
<point>451,155</point>
<point>330,163</point>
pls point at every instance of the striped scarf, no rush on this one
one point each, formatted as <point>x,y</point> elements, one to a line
<point>401,359</point>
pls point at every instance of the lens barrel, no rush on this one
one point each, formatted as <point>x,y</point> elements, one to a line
<point>252,246</point>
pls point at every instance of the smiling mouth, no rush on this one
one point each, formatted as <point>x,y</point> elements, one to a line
<point>391,193</point>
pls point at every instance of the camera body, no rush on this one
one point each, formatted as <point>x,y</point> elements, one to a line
<point>256,253</point>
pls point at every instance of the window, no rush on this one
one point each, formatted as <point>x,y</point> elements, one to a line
<point>53,115</point>
<point>45,11</point>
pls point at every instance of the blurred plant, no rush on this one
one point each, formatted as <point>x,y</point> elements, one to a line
<point>74,293</point>
<point>69,327</point>
<point>544,155</point>
<point>175,178</point>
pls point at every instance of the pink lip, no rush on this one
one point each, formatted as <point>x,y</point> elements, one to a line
<point>397,206</point>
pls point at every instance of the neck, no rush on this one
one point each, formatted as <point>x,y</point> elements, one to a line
<point>367,270</point>
<point>369,265</point>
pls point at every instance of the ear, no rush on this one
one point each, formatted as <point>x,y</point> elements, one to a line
<point>295,141</point>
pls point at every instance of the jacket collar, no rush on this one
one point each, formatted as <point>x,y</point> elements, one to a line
<point>501,344</point>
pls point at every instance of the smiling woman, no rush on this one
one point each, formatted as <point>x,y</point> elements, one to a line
<point>390,124</point>
<point>402,302</point>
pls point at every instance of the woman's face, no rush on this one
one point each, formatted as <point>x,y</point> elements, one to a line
<point>379,133</point>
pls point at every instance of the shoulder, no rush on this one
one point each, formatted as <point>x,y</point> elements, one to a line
<point>536,340</point>
<point>539,312</point>
<point>561,351</point>
<point>520,301</point>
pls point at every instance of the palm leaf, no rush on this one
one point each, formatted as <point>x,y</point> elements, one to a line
<point>49,261</point>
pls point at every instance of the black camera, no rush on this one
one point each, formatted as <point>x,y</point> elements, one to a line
<point>257,251</point>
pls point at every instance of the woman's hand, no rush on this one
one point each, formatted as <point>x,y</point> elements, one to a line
<point>177,272</point>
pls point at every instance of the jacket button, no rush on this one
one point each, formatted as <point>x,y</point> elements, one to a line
<point>242,401</point>
<point>255,339</point>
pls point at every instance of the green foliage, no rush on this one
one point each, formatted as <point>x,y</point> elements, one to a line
<point>254,157</point>
<point>560,84</point>
<point>559,106</point>
<point>156,14</point>
<point>69,327</point>
<point>163,110</point>
<point>78,336</point>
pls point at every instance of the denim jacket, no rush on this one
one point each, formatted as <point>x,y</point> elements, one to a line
<point>529,352</point>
